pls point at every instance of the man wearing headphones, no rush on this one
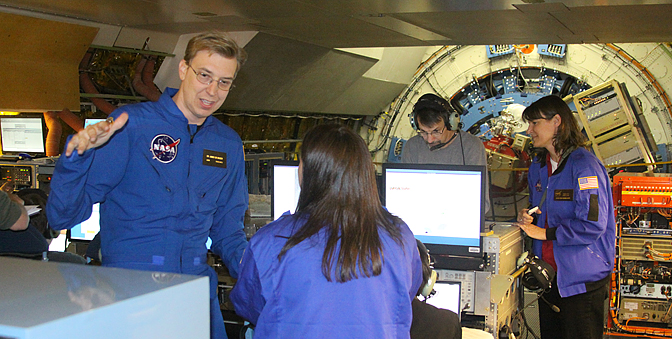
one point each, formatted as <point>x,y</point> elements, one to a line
<point>440,139</point>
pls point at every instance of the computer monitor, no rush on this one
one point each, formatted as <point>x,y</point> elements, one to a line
<point>22,135</point>
<point>443,205</point>
<point>448,296</point>
<point>92,121</point>
<point>86,230</point>
<point>285,187</point>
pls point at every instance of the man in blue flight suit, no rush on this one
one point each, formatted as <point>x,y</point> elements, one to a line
<point>167,175</point>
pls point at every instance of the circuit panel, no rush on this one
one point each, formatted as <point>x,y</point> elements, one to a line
<point>641,293</point>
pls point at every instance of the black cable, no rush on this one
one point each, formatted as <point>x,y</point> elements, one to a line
<point>527,326</point>
<point>539,295</point>
<point>521,312</point>
<point>430,83</point>
<point>244,329</point>
<point>464,162</point>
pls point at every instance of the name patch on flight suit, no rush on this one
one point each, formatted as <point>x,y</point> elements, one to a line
<point>214,158</point>
<point>563,195</point>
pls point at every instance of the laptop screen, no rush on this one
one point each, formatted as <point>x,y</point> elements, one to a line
<point>86,230</point>
<point>448,296</point>
<point>286,188</point>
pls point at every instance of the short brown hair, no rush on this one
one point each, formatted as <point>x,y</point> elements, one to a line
<point>215,42</point>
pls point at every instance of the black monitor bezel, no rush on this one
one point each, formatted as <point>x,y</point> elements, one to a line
<point>34,154</point>
<point>69,238</point>
<point>442,249</point>
<point>271,172</point>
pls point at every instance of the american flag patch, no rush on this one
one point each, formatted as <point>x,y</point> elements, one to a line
<point>587,183</point>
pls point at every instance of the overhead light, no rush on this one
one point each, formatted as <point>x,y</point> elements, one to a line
<point>9,113</point>
<point>533,1</point>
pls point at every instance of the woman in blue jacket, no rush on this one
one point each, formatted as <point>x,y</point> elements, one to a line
<point>341,266</point>
<point>574,230</point>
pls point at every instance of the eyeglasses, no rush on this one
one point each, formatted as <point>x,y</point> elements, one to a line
<point>204,78</point>
<point>435,133</point>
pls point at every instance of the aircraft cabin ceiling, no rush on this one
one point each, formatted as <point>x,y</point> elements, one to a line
<point>370,23</point>
<point>308,56</point>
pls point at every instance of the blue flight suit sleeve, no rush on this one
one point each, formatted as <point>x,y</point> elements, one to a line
<point>81,181</point>
<point>247,294</point>
<point>591,207</point>
<point>227,233</point>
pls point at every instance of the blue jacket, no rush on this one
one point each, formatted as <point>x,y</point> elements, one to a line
<point>159,199</point>
<point>580,212</point>
<point>291,298</point>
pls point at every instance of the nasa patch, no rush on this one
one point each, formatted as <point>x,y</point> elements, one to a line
<point>164,148</point>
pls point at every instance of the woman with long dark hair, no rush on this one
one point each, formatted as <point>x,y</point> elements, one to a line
<point>341,266</point>
<point>574,228</point>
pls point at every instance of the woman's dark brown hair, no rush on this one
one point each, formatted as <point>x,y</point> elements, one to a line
<point>339,196</point>
<point>568,136</point>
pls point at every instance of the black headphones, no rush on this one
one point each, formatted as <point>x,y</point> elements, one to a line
<point>539,276</point>
<point>427,286</point>
<point>436,103</point>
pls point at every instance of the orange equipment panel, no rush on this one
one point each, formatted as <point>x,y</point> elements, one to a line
<point>643,189</point>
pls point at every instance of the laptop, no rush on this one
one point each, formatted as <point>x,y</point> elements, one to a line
<point>86,230</point>
<point>448,296</point>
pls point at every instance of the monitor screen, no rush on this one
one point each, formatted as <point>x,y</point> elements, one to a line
<point>22,135</point>
<point>86,230</point>
<point>285,187</point>
<point>448,296</point>
<point>443,205</point>
<point>92,121</point>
